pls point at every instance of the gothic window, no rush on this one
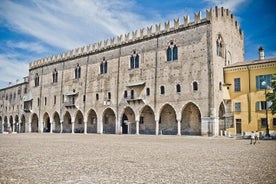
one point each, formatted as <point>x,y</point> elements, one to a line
<point>172,52</point>
<point>169,54</point>
<point>77,71</point>
<point>125,94</point>
<point>148,91</point>
<point>109,96</point>
<point>45,101</point>
<point>178,88</point>
<point>38,102</point>
<point>162,90</point>
<point>55,100</point>
<point>97,96</point>
<point>195,86</point>
<point>36,79</point>
<point>103,66</point>
<point>134,60</point>
<point>219,43</point>
<point>55,76</point>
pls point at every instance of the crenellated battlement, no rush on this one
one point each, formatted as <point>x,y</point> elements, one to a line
<point>138,35</point>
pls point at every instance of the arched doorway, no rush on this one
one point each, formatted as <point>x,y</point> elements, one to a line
<point>67,123</point>
<point>16,124</point>
<point>92,122</point>
<point>79,124</point>
<point>109,121</point>
<point>56,123</point>
<point>34,123</point>
<point>46,123</point>
<point>167,120</point>
<point>11,123</point>
<point>22,124</point>
<point>191,120</point>
<point>147,121</point>
<point>128,122</point>
<point>6,125</point>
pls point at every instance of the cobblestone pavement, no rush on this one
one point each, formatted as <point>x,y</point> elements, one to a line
<point>78,158</point>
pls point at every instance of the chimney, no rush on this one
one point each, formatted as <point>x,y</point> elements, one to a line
<point>261,53</point>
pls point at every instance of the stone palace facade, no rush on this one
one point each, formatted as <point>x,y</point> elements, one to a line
<point>165,79</point>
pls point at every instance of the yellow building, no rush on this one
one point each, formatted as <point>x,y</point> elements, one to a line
<point>246,84</point>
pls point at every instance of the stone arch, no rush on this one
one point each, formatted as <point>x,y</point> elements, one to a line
<point>56,123</point>
<point>16,124</point>
<point>22,124</point>
<point>6,124</point>
<point>11,123</point>
<point>109,121</point>
<point>128,121</point>
<point>191,120</point>
<point>46,122</point>
<point>34,123</point>
<point>167,120</point>
<point>92,121</point>
<point>79,122</point>
<point>67,123</point>
<point>147,121</point>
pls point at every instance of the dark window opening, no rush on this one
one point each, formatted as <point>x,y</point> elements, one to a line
<point>148,91</point>
<point>195,86</point>
<point>77,72</point>
<point>97,96</point>
<point>125,94</point>
<point>162,90</point>
<point>178,88</point>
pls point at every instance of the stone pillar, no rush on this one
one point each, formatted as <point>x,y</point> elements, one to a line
<point>61,127</point>
<point>51,127</point>
<point>73,127</point>
<point>2,126</point>
<point>137,127</point>
<point>85,127</point>
<point>30,127</point>
<point>178,127</point>
<point>156,127</point>
<point>13,127</point>
<point>19,126</point>
<point>100,127</point>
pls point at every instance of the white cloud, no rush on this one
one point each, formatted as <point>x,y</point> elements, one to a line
<point>11,69</point>
<point>67,25</point>
<point>230,4</point>
<point>28,46</point>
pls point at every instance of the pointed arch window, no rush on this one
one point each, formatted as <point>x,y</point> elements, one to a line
<point>103,66</point>
<point>172,52</point>
<point>162,90</point>
<point>77,71</point>
<point>219,44</point>
<point>134,60</point>
<point>55,76</point>
<point>178,88</point>
<point>195,86</point>
<point>36,79</point>
<point>148,91</point>
<point>169,54</point>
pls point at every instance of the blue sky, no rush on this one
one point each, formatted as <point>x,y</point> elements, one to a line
<point>33,29</point>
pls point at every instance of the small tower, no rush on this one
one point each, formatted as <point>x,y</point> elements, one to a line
<point>261,53</point>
